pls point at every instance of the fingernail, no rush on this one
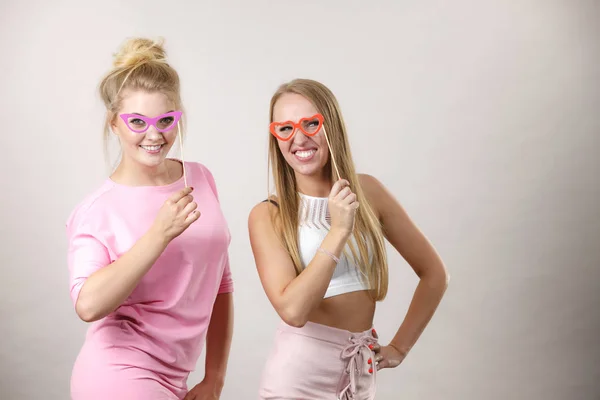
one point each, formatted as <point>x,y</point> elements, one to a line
<point>371,346</point>
<point>370,370</point>
<point>369,361</point>
<point>374,332</point>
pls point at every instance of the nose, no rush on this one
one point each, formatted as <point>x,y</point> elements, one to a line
<point>300,138</point>
<point>152,133</point>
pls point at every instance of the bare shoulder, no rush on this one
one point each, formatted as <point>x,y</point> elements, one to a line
<point>376,192</point>
<point>370,185</point>
<point>262,225</point>
<point>262,212</point>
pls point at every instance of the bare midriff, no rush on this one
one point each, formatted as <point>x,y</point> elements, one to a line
<point>352,311</point>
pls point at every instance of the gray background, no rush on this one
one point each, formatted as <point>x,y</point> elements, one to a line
<point>481,117</point>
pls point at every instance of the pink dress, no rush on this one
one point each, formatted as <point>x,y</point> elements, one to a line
<point>149,345</point>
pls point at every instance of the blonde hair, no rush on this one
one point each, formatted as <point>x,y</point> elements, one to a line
<point>140,64</point>
<point>367,228</point>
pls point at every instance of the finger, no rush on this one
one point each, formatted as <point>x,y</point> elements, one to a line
<point>193,216</point>
<point>381,364</point>
<point>337,187</point>
<point>375,347</point>
<point>191,395</point>
<point>378,357</point>
<point>175,197</point>
<point>343,194</point>
<point>189,208</point>
<point>185,201</point>
<point>351,198</point>
<point>374,332</point>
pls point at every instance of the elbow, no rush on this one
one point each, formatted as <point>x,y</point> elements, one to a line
<point>295,322</point>
<point>444,276</point>
<point>86,313</point>
<point>293,317</point>
<point>87,306</point>
<point>437,277</point>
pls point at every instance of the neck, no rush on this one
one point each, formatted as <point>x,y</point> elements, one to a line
<point>131,173</point>
<point>314,185</point>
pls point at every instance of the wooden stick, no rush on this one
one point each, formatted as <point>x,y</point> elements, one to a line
<point>182,158</point>
<point>331,152</point>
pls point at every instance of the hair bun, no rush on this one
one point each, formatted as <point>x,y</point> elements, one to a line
<point>138,50</point>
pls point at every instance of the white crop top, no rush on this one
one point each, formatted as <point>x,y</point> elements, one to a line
<point>314,224</point>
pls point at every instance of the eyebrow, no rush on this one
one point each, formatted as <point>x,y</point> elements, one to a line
<point>142,115</point>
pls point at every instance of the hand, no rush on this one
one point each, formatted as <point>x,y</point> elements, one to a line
<point>176,215</point>
<point>205,390</point>
<point>387,356</point>
<point>342,207</point>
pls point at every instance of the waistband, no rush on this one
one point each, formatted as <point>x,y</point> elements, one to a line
<point>324,332</point>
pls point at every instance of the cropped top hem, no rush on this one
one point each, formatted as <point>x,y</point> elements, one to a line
<point>343,289</point>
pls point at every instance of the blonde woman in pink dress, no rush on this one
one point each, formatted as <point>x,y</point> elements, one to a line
<point>319,247</point>
<point>148,250</point>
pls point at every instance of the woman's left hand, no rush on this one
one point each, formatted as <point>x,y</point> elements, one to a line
<point>203,391</point>
<point>386,356</point>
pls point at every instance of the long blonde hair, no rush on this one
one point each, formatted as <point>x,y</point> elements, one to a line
<point>367,228</point>
<point>140,64</point>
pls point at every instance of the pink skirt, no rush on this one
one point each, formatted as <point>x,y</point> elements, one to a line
<point>108,373</point>
<point>317,362</point>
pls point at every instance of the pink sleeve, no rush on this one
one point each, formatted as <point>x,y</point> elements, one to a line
<point>211,180</point>
<point>85,254</point>
<point>227,279</point>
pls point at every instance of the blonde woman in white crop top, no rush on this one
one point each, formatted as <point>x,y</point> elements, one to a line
<point>319,248</point>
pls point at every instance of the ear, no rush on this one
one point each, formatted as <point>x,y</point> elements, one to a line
<point>112,122</point>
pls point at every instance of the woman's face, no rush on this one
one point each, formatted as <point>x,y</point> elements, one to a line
<point>150,147</point>
<point>307,155</point>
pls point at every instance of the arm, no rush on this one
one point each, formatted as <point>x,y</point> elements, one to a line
<point>218,342</point>
<point>293,296</point>
<point>108,287</point>
<point>220,331</point>
<point>414,247</point>
<point>99,286</point>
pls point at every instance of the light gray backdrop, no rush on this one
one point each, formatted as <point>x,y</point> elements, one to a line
<point>481,117</point>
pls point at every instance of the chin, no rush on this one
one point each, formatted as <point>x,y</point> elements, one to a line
<point>312,169</point>
<point>152,163</point>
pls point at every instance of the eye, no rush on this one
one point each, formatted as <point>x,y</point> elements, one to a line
<point>165,122</point>
<point>136,121</point>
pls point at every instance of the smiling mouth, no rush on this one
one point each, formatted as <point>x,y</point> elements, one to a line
<point>305,154</point>
<point>153,148</point>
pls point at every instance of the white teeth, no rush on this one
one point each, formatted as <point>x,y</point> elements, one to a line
<point>151,148</point>
<point>305,154</point>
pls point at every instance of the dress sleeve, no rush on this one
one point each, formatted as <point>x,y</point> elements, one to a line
<point>211,181</point>
<point>85,254</point>
<point>227,279</point>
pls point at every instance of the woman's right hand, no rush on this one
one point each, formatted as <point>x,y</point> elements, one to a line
<point>342,207</point>
<point>176,215</point>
